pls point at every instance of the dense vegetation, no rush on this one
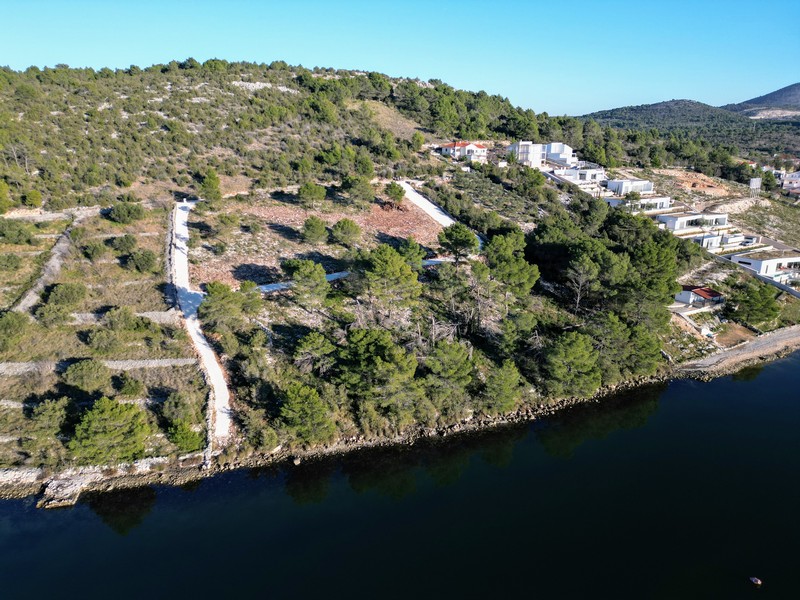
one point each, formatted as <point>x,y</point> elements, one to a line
<point>521,316</point>
<point>761,138</point>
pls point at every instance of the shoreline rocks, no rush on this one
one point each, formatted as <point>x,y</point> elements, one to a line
<point>64,488</point>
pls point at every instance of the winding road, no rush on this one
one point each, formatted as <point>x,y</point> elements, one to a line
<point>219,409</point>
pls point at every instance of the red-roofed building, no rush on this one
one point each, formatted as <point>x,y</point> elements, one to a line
<point>695,295</point>
<point>468,150</point>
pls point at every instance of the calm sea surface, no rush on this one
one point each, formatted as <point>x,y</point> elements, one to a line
<point>674,491</point>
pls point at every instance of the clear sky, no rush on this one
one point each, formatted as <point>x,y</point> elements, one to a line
<point>554,56</point>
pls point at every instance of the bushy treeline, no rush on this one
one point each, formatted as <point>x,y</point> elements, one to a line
<point>577,304</point>
<point>79,136</point>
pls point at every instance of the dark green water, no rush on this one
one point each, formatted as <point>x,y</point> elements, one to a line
<point>676,491</point>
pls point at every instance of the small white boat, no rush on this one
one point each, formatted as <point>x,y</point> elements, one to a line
<point>756,581</point>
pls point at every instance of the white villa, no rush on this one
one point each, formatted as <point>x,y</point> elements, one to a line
<point>580,176</point>
<point>620,187</point>
<point>529,154</point>
<point>685,222</point>
<point>791,181</point>
<point>643,205</point>
<point>470,151</point>
<point>561,154</point>
<point>781,265</point>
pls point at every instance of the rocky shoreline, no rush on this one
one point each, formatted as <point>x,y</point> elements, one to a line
<point>64,488</point>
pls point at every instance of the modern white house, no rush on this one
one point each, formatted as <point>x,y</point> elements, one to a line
<point>620,187</point>
<point>561,154</point>
<point>529,154</point>
<point>643,205</point>
<point>469,150</point>
<point>791,181</point>
<point>678,223</point>
<point>698,296</point>
<point>781,265</point>
<point>579,176</point>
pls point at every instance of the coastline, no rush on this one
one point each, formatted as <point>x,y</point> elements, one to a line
<point>63,488</point>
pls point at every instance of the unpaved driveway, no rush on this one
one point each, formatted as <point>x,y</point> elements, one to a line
<point>766,345</point>
<point>189,300</point>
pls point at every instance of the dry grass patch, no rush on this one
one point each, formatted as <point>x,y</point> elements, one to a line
<point>256,255</point>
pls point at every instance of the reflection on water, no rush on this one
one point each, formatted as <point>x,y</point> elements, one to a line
<point>748,373</point>
<point>309,483</point>
<point>122,510</point>
<point>682,491</point>
<point>394,472</point>
<point>566,432</point>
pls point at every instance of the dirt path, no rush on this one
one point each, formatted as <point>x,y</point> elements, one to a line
<point>769,344</point>
<point>432,210</point>
<point>52,267</point>
<point>219,411</point>
<point>20,368</point>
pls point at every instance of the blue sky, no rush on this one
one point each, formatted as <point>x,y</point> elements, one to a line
<point>559,57</point>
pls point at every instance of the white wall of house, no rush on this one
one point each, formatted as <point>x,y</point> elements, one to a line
<point>529,154</point>
<point>581,175</point>
<point>561,153</point>
<point>791,181</point>
<point>687,297</point>
<point>709,241</point>
<point>644,204</point>
<point>464,151</point>
<point>620,187</point>
<point>683,221</point>
<point>777,268</point>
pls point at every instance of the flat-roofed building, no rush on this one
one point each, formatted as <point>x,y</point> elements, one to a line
<point>781,265</point>
<point>529,154</point>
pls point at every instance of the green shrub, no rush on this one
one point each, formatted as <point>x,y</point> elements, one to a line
<point>144,261</point>
<point>110,433</point>
<point>314,230</point>
<point>125,213</point>
<point>16,232</point>
<point>10,262</point>
<point>182,407</point>
<point>94,250</point>
<point>88,375</point>
<point>122,318</point>
<point>13,326</point>
<point>184,437</point>
<point>33,199</point>
<point>131,387</point>
<point>123,244</point>
<point>67,294</point>
<point>345,232</point>
<point>104,341</point>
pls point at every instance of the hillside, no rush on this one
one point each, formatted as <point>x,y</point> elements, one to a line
<point>780,104</point>
<point>667,115</point>
<point>717,125</point>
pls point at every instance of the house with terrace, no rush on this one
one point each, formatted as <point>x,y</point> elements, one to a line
<point>561,154</point>
<point>471,151</point>
<point>620,187</point>
<point>782,266</point>
<point>529,154</point>
<point>646,205</point>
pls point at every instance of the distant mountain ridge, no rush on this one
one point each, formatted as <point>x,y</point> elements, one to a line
<point>667,115</point>
<point>780,104</point>
<point>769,123</point>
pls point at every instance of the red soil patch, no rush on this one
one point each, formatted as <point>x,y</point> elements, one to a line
<point>258,257</point>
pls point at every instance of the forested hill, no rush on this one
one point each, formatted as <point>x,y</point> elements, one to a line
<point>668,115</point>
<point>78,136</point>
<point>72,134</point>
<point>702,120</point>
